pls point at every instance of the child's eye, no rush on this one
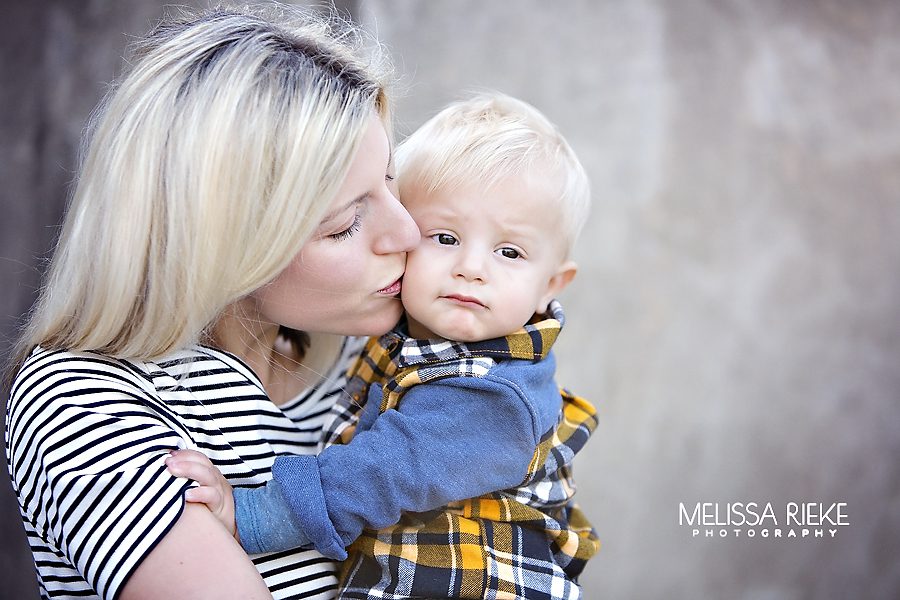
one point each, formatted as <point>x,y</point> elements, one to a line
<point>509,253</point>
<point>445,239</point>
<point>346,233</point>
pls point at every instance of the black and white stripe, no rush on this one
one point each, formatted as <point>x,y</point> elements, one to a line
<point>86,437</point>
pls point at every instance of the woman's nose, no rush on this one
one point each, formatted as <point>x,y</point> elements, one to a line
<point>399,232</point>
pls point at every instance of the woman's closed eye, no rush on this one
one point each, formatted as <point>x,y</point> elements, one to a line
<point>349,231</point>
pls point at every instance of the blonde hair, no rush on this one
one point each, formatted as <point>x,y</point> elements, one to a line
<point>487,138</point>
<point>209,165</point>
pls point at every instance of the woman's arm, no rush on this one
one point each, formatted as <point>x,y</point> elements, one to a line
<point>86,445</point>
<point>196,559</point>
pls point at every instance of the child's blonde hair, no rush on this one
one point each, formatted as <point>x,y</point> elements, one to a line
<point>209,165</point>
<point>487,138</point>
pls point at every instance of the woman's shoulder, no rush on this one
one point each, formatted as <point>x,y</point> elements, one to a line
<point>66,395</point>
<point>44,364</point>
<point>72,391</point>
<point>48,369</point>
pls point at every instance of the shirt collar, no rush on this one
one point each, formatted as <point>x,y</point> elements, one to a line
<point>531,342</point>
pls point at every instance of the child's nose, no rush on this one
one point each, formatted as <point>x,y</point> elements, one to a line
<point>471,267</point>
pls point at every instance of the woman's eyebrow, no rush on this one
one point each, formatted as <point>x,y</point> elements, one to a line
<point>331,215</point>
<point>362,197</point>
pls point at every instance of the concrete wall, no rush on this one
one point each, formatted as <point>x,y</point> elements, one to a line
<point>737,314</point>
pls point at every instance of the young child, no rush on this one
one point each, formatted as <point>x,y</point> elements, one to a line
<point>448,464</point>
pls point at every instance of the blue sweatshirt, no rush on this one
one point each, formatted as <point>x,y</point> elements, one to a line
<point>455,438</point>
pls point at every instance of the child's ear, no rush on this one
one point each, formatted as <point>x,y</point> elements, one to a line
<point>558,282</point>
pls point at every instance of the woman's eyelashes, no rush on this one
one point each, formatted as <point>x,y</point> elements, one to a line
<point>349,231</point>
<point>362,207</point>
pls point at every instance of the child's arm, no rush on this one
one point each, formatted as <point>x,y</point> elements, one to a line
<point>262,521</point>
<point>450,440</point>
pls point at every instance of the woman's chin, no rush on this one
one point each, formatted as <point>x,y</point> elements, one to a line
<point>380,323</point>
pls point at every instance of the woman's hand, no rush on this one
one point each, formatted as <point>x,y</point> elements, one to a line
<point>214,491</point>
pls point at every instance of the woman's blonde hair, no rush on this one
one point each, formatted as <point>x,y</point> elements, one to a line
<point>488,137</point>
<point>207,167</point>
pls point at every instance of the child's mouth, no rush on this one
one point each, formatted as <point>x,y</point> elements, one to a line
<point>465,300</point>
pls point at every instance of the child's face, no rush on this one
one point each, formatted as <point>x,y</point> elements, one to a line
<point>488,259</point>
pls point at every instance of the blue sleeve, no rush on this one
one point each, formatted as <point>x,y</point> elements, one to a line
<point>449,440</point>
<point>265,521</point>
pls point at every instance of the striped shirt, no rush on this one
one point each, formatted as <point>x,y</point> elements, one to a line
<point>86,440</point>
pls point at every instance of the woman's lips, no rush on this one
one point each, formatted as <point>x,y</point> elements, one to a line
<point>391,290</point>
<point>468,301</point>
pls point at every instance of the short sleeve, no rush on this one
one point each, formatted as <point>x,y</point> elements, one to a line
<point>86,442</point>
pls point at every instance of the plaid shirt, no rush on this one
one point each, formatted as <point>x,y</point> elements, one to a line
<point>529,542</point>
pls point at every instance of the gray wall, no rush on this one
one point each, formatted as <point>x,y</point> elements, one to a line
<point>737,314</point>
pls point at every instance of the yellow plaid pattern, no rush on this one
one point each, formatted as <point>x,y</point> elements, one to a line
<point>523,543</point>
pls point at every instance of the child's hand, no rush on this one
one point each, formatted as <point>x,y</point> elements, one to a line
<point>214,491</point>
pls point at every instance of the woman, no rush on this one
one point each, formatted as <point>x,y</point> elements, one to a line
<point>234,193</point>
